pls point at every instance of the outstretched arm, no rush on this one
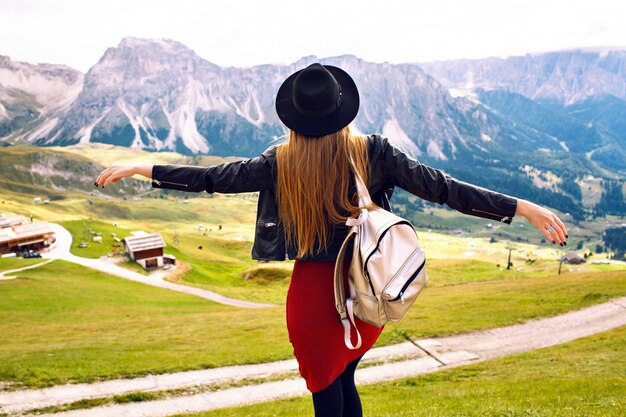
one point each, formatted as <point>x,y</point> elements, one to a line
<point>434,185</point>
<point>116,172</point>
<point>252,174</point>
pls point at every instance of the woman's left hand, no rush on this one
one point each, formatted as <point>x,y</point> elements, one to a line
<point>544,220</point>
<point>114,173</point>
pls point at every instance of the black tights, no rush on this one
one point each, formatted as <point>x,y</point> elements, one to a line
<point>339,399</point>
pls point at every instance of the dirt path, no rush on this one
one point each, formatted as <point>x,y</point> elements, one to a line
<point>156,279</point>
<point>6,275</point>
<point>416,357</point>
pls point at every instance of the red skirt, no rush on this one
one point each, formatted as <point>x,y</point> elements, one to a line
<point>314,327</point>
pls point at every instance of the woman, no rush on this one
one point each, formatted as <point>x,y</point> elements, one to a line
<point>306,194</point>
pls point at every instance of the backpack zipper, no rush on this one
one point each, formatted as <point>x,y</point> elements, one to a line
<point>505,218</point>
<point>157,182</point>
<point>367,274</point>
<point>406,284</point>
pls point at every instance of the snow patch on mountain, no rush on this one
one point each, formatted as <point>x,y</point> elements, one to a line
<point>64,101</point>
<point>462,92</point>
<point>399,138</point>
<point>183,122</point>
<point>434,150</point>
<point>84,134</point>
<point>207,98</point>
<point>43,130</point>
<point>134,122</point>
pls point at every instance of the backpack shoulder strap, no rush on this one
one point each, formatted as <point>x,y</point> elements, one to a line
<point>340,292</point>
<point>364,196</point>
<point>345,306</point>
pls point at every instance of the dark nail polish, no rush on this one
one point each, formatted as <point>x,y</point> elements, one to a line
<point>566,236</point>
<point>564,243</point>
<point>553,241</point>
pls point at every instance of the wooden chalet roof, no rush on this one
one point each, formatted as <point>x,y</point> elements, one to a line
<point>572,257</point>
<point>24,231</point>
<point>11,221</point>
<point>145,242</point>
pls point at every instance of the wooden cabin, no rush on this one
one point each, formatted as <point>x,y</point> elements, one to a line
<point>146,249</point>
<point>20,237</point>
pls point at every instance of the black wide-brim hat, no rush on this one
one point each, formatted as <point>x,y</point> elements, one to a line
<point>317,100</point>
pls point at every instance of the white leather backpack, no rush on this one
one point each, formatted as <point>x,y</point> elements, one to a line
<point>387,271</point>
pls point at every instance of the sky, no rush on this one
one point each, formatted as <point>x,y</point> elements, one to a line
<point>244,33</point>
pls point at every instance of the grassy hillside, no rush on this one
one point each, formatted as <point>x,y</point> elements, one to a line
<point>105,154</point>
<point>213,235</point>
<point>66,322</point>
<point>53,171</point>
<point>61,317</point>
<point>7,264</point>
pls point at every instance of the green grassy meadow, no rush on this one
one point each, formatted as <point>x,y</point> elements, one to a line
<point>7,264</point>
<point>62,322</point>
<point>220,259</point>
<point>584,377</point>
<point>66,323</point>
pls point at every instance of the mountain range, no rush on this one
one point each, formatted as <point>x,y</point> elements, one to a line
<point>561,112</point>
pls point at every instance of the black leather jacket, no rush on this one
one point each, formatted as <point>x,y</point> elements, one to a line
<point>389,167</point>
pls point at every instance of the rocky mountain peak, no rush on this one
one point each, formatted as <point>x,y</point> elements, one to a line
<point>48,87</point>
<point>163,43</point>
<point>565,76</point>
<point>137,57</point>
<point>158,94</point>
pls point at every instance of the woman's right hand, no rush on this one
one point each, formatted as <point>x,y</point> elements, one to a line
<point>544,220</point>
<point>114,173</point>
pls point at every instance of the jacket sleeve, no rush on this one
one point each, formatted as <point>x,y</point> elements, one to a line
<point>253,174</point>
<point>434,185</point>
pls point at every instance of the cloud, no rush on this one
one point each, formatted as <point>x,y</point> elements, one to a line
<point>245,32</point>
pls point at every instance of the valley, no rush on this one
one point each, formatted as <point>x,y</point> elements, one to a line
<point>549,140</point>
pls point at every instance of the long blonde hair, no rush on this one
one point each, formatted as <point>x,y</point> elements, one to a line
<point>312,185</point>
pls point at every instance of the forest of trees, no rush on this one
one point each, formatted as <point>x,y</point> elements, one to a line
<point>615,240</point>
<point>612,199</point>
